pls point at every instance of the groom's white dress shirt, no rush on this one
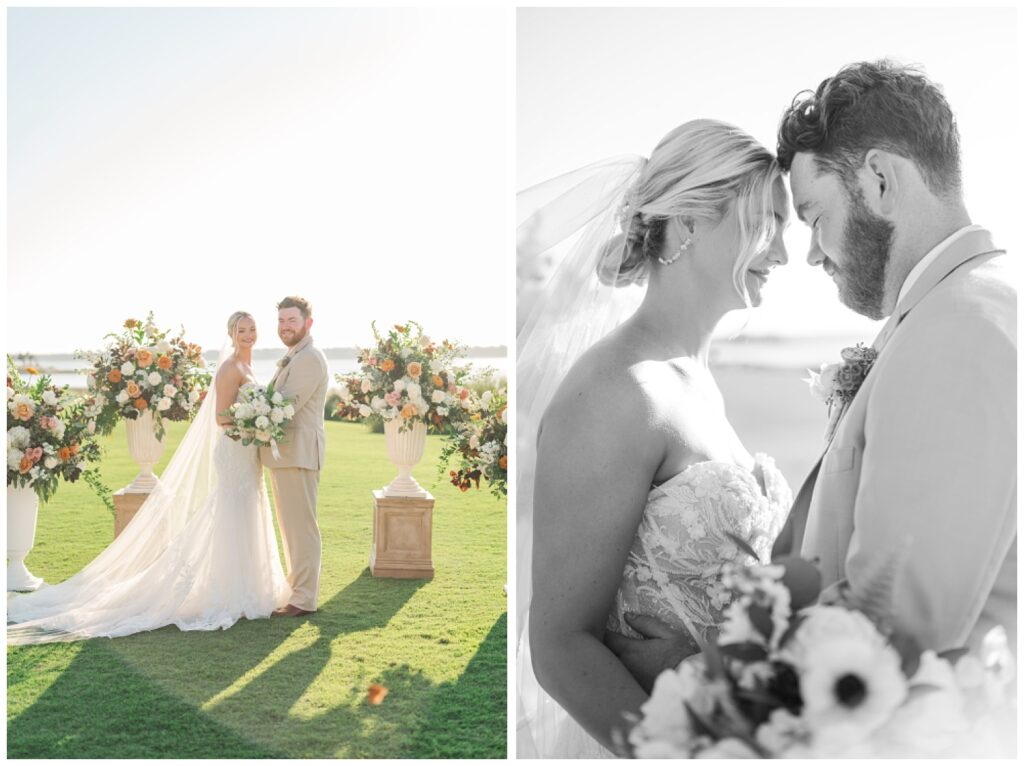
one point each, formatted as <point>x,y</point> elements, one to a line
<point>924,458</point>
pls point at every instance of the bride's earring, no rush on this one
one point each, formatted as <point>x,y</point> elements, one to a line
<point>682,247</point>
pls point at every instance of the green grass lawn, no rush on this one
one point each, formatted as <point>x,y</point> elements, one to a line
<point>285,687</point>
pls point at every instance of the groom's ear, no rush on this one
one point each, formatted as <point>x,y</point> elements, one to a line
<point>880,181</point>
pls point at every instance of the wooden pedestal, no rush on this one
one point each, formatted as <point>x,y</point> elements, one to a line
<point>402,537</point>
<point>126,505</point>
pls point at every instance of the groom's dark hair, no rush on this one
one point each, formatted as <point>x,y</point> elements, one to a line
<point>874,104</point>
<point>295,302</point>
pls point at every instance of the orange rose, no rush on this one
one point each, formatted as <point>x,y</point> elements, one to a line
<point>503,462</point>
<point>25,465</point>
<point>64,454</point>
<point>133,389</point>
<point>409,411</point>
<point>130,323</point>
<point>376,693</point>
<point>414,369</point>
<point>24,410</point>
<point>463,394</point>
<point>144,357</point>
<point>387,365</point>
<point>140,404</point>
<point>114,376</point>
<point>74,449</point>
<point>164,362</point>
<point>438,381</point>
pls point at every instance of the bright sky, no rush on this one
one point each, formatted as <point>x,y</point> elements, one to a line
<point>593,83</point>
<point>199,161</point>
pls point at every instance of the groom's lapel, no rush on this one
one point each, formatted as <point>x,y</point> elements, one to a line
<point>971,245</point>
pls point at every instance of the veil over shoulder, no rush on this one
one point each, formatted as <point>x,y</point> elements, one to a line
<point>200,553</point>
<point>576,215</point>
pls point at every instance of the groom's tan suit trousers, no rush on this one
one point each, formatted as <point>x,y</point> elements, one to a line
<point>295,476</point>
<point>923,462</point>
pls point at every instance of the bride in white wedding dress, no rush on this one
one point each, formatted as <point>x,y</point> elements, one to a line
<point>201,551</point>
<point>630,476</point>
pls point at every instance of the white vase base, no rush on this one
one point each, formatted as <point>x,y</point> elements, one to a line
<point>404,487</point>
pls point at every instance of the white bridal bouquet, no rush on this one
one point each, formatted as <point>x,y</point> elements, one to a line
<point>790,676</point>
<point>259,416</point>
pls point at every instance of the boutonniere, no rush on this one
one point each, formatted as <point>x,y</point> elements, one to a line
<point>283,361</point>
<point>838,382</point>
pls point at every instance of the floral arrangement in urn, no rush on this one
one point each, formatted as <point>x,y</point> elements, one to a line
<point>406,376</point>
<point>792,676</point>
<point>48,437</point>
<point>144,369</point>
<point>479,446</point>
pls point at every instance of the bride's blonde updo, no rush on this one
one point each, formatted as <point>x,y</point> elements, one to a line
<point>234,319</point>
<point>696,172</point>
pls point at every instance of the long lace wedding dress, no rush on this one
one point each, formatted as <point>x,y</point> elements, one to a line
<point>673,573</point>
<point>200,554</point>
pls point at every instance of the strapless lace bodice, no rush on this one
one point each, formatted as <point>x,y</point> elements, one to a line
<point>676,559</point>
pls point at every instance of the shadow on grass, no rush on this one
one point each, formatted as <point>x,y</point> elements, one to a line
<point>99,707</point>
<point>467,718</point>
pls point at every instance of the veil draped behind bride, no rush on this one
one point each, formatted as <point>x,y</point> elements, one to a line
<point>120,592</point>
<point>578,213</point>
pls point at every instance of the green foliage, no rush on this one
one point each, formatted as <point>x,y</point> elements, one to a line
<point>285,687</point>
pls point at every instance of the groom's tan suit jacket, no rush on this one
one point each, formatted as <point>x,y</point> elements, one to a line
<point>925,456</point>
<point>295,476</point>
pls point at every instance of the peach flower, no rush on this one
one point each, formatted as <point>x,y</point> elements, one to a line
<point>164,362</point>
<point>114,376</point>
<point>24,410</point>
<point>133,389</point>
<point>64,453</point>
<point>140,404</point>
<point>414,369</point>
<point>387,365</point>
<point>503,462</point>
<point>438,381</point>
<point>409,411</point>
<point>144,357</point>
<point>25,465</point>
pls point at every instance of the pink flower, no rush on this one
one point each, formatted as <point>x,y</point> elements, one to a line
<point>34,454</point>
<point>393,398</point>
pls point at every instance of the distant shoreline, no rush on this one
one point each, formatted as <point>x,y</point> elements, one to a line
<point>342,352</point>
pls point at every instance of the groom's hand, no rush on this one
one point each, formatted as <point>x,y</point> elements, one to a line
<point>645,658</point>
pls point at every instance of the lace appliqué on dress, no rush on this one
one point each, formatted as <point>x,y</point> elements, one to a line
<point>675,563</point>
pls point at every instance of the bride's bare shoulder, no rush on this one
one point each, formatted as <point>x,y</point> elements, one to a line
<point>230,371</point>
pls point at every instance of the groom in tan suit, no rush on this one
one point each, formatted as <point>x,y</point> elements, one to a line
<point>923,460</point>
<point>301,376</point>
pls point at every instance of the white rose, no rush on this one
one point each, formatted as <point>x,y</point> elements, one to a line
<point>365,410</point>
<point>289,411</point>
<point>504,416</point>
<point>822,383</point>
<point>13,459</point>
<point>262,423</point>
<point>193,396</point>
<point>474,442</point>
<point>276,415</point>
<point>59,428</point>
<point>277,398</point>
<point>127,368</point>
<point>18,437</point>
<point>91,428</point>
<point>163,347</point>
<point>164,404</point>
<point>51,463</point>
<point>49,398</point>
<point>404,353</point>
<point>365,385</point>
<point>122,396</point>
<point>170,390</point>
<point>261,407</point>
<point>424,341</point>
<point>154,378</point>
<point>377,404</point>
<point>486,398</point>
<point>442,411</point>
<point>414,390</point>
<point>437,397</point>
<point>244,411</point>
<point>400,384</point>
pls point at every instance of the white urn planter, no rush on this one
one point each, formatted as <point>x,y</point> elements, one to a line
<point>22,510</point>
<point>146,450</point>
<point>405,450</point>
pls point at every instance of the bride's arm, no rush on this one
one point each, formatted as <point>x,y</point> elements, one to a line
<point>226,386</point>
<point>596,458</point>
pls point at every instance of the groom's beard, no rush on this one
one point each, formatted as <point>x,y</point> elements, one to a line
<point>867,245</point>
<point>291,340</point>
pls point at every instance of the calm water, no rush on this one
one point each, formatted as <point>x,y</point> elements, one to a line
<point>71,371</point>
